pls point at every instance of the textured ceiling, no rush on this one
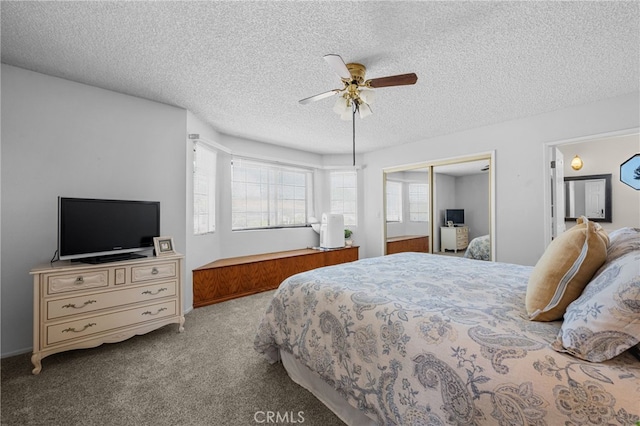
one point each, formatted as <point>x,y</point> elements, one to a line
<point>243,66</point>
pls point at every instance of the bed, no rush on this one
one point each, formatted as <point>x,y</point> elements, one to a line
<point>479,248</point>
<point>415,338</point>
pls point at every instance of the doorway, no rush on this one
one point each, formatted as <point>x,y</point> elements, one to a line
<point>602,155</point>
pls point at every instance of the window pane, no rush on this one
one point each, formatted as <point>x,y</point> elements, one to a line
<point>394,201</point>
<point>204,188</point>
<point>288,192</point>
<point>273,195</point>
<point>418,202</point>
<point>350,206</point>
<point>344,196</point>
<point>349,180</point>
<point>252,175</point>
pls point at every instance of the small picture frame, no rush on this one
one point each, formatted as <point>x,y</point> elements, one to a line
<point>163,246</point>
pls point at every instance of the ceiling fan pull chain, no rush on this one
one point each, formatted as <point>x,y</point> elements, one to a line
<point>353,120</point>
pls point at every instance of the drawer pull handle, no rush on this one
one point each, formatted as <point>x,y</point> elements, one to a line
<point>91,324</point>
<point>73,305</point>
<point>157,292</point>
<point>151,313</point>
<point>80,280</point>
<point>155,271</point>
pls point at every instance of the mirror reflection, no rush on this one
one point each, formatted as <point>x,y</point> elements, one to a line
<point>407,210</point>
<point>588,196</point>
<point>461,209</point>
<point>420,200</point>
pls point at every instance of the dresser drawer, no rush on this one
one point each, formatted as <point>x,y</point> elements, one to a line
<point>154,272</point>
<point>77,281</point>
<point>94,302</point>
<point>103,323</point>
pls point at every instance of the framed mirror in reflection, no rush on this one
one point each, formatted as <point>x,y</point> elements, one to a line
<point>588,196</point>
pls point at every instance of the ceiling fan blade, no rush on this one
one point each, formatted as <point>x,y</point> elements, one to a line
<point>394,80</point>
<point>338,65</point>
<point>319,96</point>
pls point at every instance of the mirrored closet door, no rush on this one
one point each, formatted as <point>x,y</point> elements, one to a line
<point>458,196</point>
<point>407,210</point>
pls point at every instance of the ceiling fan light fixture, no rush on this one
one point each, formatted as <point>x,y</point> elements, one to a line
<point>356,95</point>
<point>364,110</point>
<point>341,105</point>
<point>346,115</point>
<point>368,96</point>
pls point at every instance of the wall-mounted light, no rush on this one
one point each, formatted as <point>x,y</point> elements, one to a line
<point>576,163</point>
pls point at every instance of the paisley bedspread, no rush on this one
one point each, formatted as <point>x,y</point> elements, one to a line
<point>420,339</point>
<point>479,248</point>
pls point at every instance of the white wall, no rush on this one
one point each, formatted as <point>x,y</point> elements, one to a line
<point>604,156</point>
<point>472,195</point>
<point>519,170</point>
<point>65,138</point>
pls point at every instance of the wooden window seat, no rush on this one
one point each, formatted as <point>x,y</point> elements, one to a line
<point>234,277</point>
<point>419,243</point>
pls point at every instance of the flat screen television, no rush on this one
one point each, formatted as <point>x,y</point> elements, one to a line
<point>454,215</point>
<point>96,231</point>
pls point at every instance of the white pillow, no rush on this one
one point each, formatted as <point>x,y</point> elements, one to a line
<point>605,320</point>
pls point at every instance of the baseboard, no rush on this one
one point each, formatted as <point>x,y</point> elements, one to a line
<point>17,352</point>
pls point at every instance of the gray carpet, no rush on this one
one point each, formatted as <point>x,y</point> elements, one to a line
<point>208,375</point>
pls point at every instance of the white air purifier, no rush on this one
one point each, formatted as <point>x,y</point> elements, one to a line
<point>332,231</point>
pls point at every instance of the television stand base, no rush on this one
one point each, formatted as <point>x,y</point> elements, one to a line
<point>110,258</point>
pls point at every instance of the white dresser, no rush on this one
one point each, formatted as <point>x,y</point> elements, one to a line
<point>454,238</point>
<point>77,305</point>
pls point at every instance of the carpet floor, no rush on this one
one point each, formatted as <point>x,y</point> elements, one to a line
<point>208,375</point>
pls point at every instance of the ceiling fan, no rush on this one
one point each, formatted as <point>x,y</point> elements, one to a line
<point>356,95</point>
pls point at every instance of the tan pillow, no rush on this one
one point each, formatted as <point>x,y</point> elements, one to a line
<point>565,269</point>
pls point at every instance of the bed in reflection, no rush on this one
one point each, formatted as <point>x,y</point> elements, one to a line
<point>479,248</point>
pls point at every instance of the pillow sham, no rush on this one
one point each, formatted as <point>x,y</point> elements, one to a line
<point>564,270</point>
<point>605,320</point>
<point>623,241</point>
